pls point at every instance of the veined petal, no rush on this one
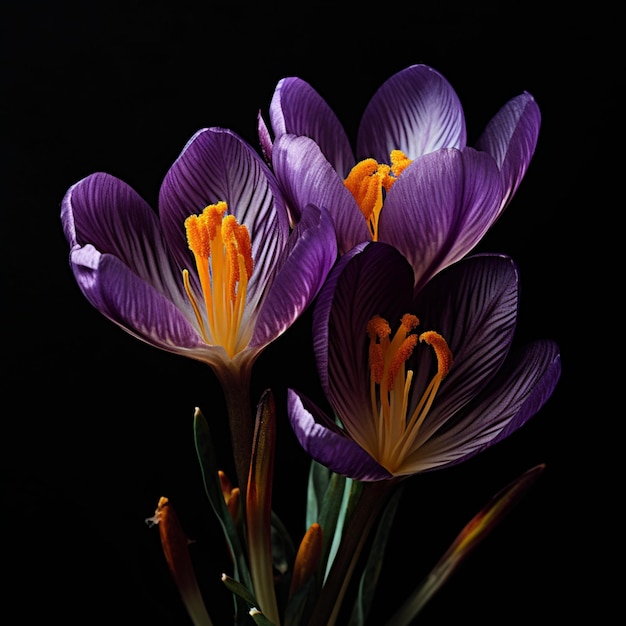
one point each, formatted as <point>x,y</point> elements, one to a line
<point>325,442</point>
<point>132,303</point>
<point>265,138</point>
<point>416,111</point>
<point>511,138</point>
<point>321,314</point>
<point>519,390</point>
<point>297,109</point>
<point>308,178</point>
<point>375,281</point>
<point>473,304</point>
<point>217,165</point>
<point>440,208</point>
<point>107,213</point>
<point>305,263</point>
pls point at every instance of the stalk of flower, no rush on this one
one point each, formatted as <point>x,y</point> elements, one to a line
<point>407,400</point>
<point>219,290</point>
<point>413,181</point>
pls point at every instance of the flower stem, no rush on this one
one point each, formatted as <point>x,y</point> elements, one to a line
<point>241,422</point>
<point>371,501</point>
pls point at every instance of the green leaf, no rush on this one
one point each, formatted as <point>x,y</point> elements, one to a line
<point>207,458</point>
<point>283,553</point>
<point>319,479</point>
<point>372,569</point>
<point>244,593</point>
<point>301,603</point>
<point>466,541</point>
<point>240,590</point>
<point>329,515</point>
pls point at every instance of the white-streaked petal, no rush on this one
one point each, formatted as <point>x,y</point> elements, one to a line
<point>416,111</point>
<point>298,109</point>
<point>307,177</point>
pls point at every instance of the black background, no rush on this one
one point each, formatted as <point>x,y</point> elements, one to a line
<point>97,426</point>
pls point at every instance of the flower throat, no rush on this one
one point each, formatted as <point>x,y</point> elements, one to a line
<point>223,254</point>
<point>369,181</point>
<point>390,385</point>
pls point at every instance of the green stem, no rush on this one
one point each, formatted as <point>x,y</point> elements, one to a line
<point>371,501</point>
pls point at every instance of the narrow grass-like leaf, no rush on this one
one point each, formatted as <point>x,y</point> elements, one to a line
<point>373,566</point>
<point>319,479</point>
<point>212,485</point>
<point>244,594</point>
<point>472,534</point>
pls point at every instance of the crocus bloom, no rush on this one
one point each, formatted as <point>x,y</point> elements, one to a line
<point>418,381</point>
<point>217,275</point>
<point>244,281</point>
<point>413,181</point>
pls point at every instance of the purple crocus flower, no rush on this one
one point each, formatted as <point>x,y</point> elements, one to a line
<point>131,263</point>
<point>423,380</point>
<point>216,275</point>
<point>413,181</point>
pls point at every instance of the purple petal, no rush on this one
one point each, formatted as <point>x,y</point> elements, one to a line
<point>440,208</point>
<point>416,111</point>
<point>217,165</point>
<point>518,392</point>
<point>298,109</point>
<point>311,252</point>
<point>308,178</point>
<point>120,295</point>
<point>473,305</point>
<point>328,444</point>
<point>265,138</point>
<point>375,281</point>
<point>511,138</point>
<point>321,315</point>
<point>105,212</point>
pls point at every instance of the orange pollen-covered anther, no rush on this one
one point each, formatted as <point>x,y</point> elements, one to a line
<point>397,414</point>
<point>223,253</point>
<point>402,354</point>
<point>442,351</point>
<point>377,328</point>
<point>410,322</point>
<point>369,181</point>
<point>399,162</point>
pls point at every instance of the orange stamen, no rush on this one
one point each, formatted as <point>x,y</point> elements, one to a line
<point>390,387</point>
<point>223,253</point>
<point>369,181</point>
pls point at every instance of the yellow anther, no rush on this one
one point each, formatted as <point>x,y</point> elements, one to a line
<point>399,162</point>
<point>201,229</point>
<point>368,181</point>
<point>442,351</point>
<point>378,327</point>
<point>244,246</point>
<point>396,430</point>
<point>197,238</point>
<point>400,357</point>
<point>409,322</point>
<point>365,183</point>
<point>223,255</point>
